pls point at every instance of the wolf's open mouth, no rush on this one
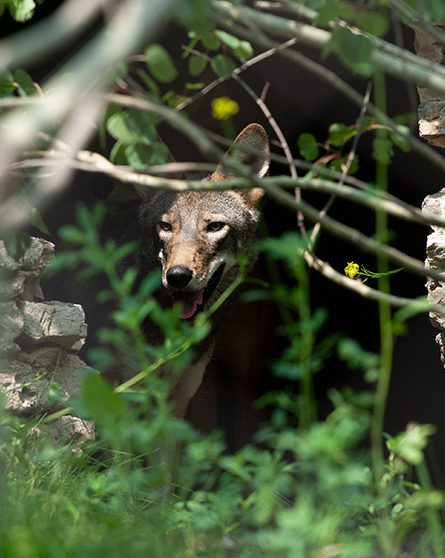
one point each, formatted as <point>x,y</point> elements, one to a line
<point>195,301</point>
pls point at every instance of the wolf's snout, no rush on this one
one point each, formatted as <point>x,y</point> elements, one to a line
<point>179,276</point>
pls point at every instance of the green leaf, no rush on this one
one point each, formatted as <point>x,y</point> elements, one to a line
<point>400,141</point>
<point>222,65</point>
<point>382,150</point>
<point>117,154</point>
<point>307,145</point>
<point>138,155</point>
<point>354,51</point>
<point>25,82</point>
<point>38,222</point>
<point>21,10</point>
<point>228,39</point>
<point>172,99</point>
<point>16,244</point>
<point>210,41</point>
<point>244,51</point>
<point>339,134</point>
<point>6,84</point>
<point>117,71</point>
<point>337,165</point>
<point>374,23</point>
<point>100,400</point>
<point>333,10</point>
<point>194,86</point>
<point>72,234</point>
<point>194,16</point>
<point>196,65</point>
<point>160,64</point>
<point>131,126</point>
<point>151,84</point>
<point>159,154</point>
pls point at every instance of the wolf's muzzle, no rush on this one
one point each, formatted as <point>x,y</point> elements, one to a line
<point>178,276</point>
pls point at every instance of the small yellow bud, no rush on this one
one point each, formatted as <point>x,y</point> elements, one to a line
<point>224,107</point>
<point>352,269</point>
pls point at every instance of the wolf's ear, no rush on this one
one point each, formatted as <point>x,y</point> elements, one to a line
<point>256,156</point>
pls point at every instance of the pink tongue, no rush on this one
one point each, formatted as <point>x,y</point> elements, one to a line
<point>190,302</point>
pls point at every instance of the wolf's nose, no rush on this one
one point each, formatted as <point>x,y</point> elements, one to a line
<point>179,276</point>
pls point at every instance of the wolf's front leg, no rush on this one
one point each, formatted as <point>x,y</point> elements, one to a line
<point>188,384</point>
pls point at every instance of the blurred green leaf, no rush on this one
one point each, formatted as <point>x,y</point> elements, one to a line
<point>38,222</point>
<point>222,65</point>
<point>21,10</point>
<point>374,23</point>
<point>339,134</point>
<point>6,83</point>
<point>16,244</point>
<point>228,39</point>
<point>307,145</point>
<point>334,10</point>
<point>25,82</point>
<point>100,400</point>
<point>210,41</point>
<point>197,64</point>
<point>354,50</point>
<point>160,63</point>
<point>131,126</point>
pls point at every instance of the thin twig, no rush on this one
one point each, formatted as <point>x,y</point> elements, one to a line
<point>390,59</point>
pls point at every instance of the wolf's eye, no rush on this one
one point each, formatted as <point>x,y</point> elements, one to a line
<point>165,226</point>
<point>215,226</point>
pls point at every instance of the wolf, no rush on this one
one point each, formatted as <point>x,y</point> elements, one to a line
<point>196,238</point>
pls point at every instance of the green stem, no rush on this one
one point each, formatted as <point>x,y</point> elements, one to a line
<point>385,321</point>
<point>309,408</point>
<point>432,515</point>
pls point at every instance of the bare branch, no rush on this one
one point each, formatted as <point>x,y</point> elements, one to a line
<point>345,89</point>
<point>392,60</point>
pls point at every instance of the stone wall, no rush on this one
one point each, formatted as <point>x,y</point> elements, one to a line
<point>435,259</point>
<point>431,113</point>
<point>39,339</point>
<point>431,108</point>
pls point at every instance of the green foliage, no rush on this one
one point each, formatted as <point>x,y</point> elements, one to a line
<point>302,491</point>
<point>16,244</point>
<point>20,10</point>
<point>307,144</point>
<point>307,486</point>
<point>354,50</point>
<point>160,63</point>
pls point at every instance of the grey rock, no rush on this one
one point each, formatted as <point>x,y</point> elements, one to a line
<point>25,393</point>
<point>41,381</point>
<point>11,326</point>
<point>440,340</point>
<point>67,430</point>
<point>435,204</point>
<point>53,322</point>
<point>36,258</point>
<point>63,368</point>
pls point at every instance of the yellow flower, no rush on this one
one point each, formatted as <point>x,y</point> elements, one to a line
<point>224,107</point>
<point>352,269</point>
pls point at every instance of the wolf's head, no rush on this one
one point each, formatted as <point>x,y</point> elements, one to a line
<point>198,236</point>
